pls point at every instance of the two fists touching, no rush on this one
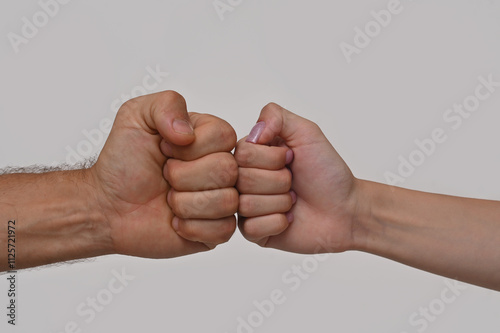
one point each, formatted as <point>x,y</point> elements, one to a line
<point>166,184</point>
<point>169,186</point>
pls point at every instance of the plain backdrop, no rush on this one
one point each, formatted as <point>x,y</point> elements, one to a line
<point>64,80</point>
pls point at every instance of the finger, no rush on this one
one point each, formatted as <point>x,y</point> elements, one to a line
<point>211,205</point>
<point>275,121</point>
<point>256,229</point>
<point>260,205</point>
<point>210,172</point>
<point>212,232</point>
<point>212,135</point>
<point>164,113</point>
<point>249,155</point>
<point>257,181</point>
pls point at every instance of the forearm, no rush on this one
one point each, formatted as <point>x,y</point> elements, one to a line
<point>57,218</point>
<point>450,236</point>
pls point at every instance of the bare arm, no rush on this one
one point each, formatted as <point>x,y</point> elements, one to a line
<point>450,236</point>
<point>56,216</point>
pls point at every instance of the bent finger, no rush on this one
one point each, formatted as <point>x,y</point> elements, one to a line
<point>211,205</point>
<point>256,229</point>
<point>257,181</point>
<point>212,135</point>
<point>249,155</point>
<point>210,232</point>
<point>214,171</point>
<point>260,205</point>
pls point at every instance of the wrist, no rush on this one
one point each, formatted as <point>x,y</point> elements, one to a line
<point>379,228</point>
<point>95,218</point>
<point>365,228</point>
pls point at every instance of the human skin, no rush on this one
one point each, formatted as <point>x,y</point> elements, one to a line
<point>324,208</point>
<point>162,187</point>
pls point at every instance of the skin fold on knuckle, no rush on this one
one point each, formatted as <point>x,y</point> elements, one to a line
<point>248,205</point>
<point>189,232</point>
<point>275,225</point>
<point>245,181</point>
<point>225,171</point>
<point>245,155</point>
<point>226,136</point>
<point>171,97</point>
<point>127,113</point>
<point>226,230</point>
<point>251,231</point>
<point>231,201</point>
<point>213,204</point>
<point>211,232</point>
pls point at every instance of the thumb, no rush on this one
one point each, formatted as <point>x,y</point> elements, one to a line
<point>171,119</point>
<point>275,121</point>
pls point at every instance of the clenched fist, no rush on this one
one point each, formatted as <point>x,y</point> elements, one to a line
<point>165,179</point>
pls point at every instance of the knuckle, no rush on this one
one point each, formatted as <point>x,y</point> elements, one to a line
<point>247,205</point>
<point>227,135</point>
<point>271,107</point>
<point>245,155</point>
<point>232,170</point>
<point>227,230</point>
<point>128,108</point>
<point>312,127</point>
<point>130,105</point>
<point>250,230</point>
<point>245,181</point>
<point>231,201</point>
<point>171,97</point>
<point>201,201</point>
<point>225,171</point>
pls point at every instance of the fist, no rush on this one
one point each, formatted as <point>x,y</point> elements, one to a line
<point>165,179</point>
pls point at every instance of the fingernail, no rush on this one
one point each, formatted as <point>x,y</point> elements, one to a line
<point>289,156</point>
<point>294,197</point>
<point>181,126</point>
<point>290,217</point>
<point>175,223</point>
<point>256,132</point>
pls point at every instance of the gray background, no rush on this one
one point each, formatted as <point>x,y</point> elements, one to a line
<point>395,91</point>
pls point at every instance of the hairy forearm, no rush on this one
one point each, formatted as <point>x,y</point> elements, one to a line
<point>57,218</point>
<point>450,236</point>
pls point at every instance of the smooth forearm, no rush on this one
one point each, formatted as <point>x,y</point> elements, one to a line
<point>57,218</point>
<point>450,236</point>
